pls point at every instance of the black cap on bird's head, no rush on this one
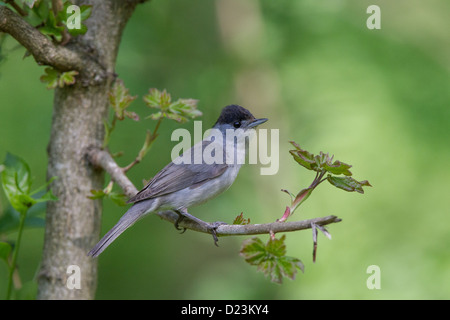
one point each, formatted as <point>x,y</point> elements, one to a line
<point>238,117</point>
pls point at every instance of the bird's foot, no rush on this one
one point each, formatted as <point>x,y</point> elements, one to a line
<point>180,218</point>
<point>209,226</point>
<point>212,227</point>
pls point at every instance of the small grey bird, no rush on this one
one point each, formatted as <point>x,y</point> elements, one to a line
<point>179,186</point>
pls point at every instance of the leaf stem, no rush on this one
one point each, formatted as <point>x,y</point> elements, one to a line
<point>145,148</point>
<point>302,195</point>
<point>318,179</point>
<point>156,128</point>
<point>23,214</point>
<point>109,130</point>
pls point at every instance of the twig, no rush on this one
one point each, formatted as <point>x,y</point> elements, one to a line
<point>16,7</point>
<point>102,159</point>
<point>145,148</point>
<point>57,6</point>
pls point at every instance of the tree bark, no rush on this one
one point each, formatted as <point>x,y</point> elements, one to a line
<point>73,222</point>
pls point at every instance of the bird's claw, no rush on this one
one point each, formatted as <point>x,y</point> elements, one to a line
<point>180,218</point>
<point>212,227</point>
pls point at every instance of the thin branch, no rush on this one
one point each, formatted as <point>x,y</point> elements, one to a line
<point>252,229</point>
<point>45,52</point>
<point>150,138</point>
<point>57,6</point>
<point>102,159</point>
<point>18,8</point>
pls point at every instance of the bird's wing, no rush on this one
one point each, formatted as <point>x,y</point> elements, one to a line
<point>175,177</point>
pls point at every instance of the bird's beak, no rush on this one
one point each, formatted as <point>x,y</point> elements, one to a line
<point>256,122</point>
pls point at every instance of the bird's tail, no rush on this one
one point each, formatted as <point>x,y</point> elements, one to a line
<point>133,214</point>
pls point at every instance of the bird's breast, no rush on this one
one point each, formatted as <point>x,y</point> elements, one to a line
<point>214,187</point>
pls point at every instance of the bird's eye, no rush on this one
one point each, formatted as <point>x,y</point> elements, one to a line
<point>237,124</point>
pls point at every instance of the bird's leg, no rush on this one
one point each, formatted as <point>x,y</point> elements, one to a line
<point>180,218</point>
<point>211,227</point>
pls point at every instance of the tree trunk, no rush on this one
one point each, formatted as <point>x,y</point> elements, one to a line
<point>73,222</point>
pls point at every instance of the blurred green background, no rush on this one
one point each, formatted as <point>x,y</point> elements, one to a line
<point>377,99</point>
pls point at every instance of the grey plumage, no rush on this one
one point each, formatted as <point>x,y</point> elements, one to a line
<point>133,214</point>
<point>157,195</point>
<point>175,177</point>
<point>179,186</point>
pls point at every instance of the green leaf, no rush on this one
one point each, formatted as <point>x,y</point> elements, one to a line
<point>118,198</point>
<point>348,183</point>
<point>289,266</point>
<point>181,110</point>
<point>50,31</point>
<point>270,258</point>
<point>48,196</point>
<point>157,99</point>
<point>240,220</point>
<point>176,117</point>
<point>67,78</point>
<point>97,194</point>
<point>54,78</point>
<point>184,106</point>
<point>276,246</point>
<point>42,10</point>
<point>10,219</point>
<point>5,250</point>
<point>120,99</point>
<point>320,163</point>
<point>253,250</point>
<point>51,27</point>
<point>40,191</point>
<point>185,109</point>
<point>155,116</point>
<point>152,98</point>
<point>132,115</point>
<point>165,99</point>
<point>85,13</point>
<point>338,168</point>
<point>16,173</point>
<point>303,157</point>
<point>78,31</point>
<point>22,202</point>
<point>16,181</point>
<point>50,77</point>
